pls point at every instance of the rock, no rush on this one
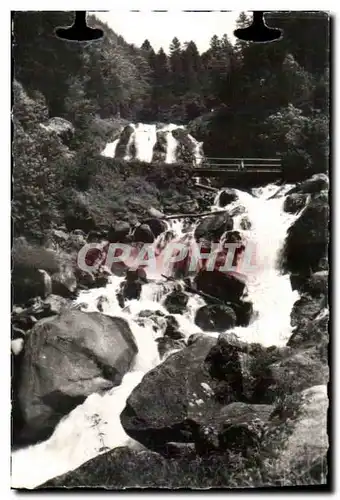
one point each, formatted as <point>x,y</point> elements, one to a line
<point>118,232</point>
<point>215,318</point>
<point>212,227</point>
<point>317,284</point>
<point>315,184</point>
<point>307,239</point>
<point>28,283</point>
<point>167,345</point>
<point>163,407</point>
<point>237,427</point>
<point>297,438</point>
<point>294,374</point>
<point>102,300</point>
<point>131,290</point>
<point>17,333</point>
<point>242,425</point>
<point>226,197</point>
<point>294,203</point>
<point>226,287</point>
<point>190,206</point>
<point>312,333</point>
<point>67,358</point>
<point>64,283</point>
<point>56,304</point>
<point>157,226</point>
<point>63,128</point>
<point>123,468</point>
<point>143,234</point>
<point>172,328</point>
<point>245,223</point>
<point>244,312</point>
<point>60,236</point>
<point>184,450</point>
<point>17,346</point>
<point>155,214</point>
<point>176,302</point>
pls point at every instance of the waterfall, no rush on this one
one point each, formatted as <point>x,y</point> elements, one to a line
<point>110,149</point>
<point>94,426</point>
<point>144,138</point>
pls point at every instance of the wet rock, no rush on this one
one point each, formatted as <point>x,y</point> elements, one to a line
<point>176,302</point>
<point>118,232</point>
<point>226,197</point>
<point>294,203</point>
<point>123,141</point>
<point>307,239</point>
<point>226,287</point>
<point>157,226</point>
<point>172,328</point>
<point>297,438</point>
<point>101,302</point>
<point>167,345</point>
<point>245,223</point>
<point>66,358</point>
<point>215,318</point>
<point>244,312</point>
<point>143,234</point>
<point>212,227</point>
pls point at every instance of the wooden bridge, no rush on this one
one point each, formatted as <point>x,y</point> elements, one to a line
<point>260,169</point>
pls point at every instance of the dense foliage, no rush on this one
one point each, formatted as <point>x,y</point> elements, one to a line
<point>241,100</point>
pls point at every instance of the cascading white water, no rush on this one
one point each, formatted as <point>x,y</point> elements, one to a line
<point>145,138</point>
<point>94,426</point>
<point>110,149</point>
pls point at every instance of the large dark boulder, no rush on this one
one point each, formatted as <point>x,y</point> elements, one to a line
<point>212,227</point>
<point>226,287</point>
<point>176,302</point>
<point>68,357</point>
<point>157,226</point>
<point>294,202</point>
<point>307,239</point>
<point>173,398</point>
<point>215,318</point>
<point>143,234</point>
<point>118,232</point>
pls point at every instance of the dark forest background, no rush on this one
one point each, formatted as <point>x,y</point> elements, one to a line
<point>241,100</point>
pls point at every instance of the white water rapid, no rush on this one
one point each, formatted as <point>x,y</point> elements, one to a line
<point>94,426</point>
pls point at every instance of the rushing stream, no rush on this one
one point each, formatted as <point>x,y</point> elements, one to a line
<point>94,426</point>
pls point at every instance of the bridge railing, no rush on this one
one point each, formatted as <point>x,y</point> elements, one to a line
<point>240,164</point>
